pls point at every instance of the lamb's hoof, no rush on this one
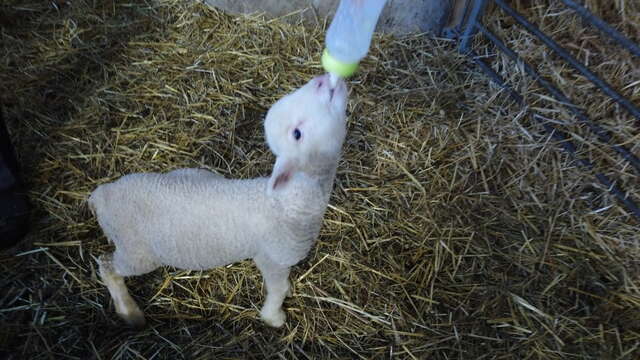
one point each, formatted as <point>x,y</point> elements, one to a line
<point>134,318</point>
<point>274,319</point>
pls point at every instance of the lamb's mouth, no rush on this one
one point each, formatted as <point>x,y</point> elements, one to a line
<point>331,91</point>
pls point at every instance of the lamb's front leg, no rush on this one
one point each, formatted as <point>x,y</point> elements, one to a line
<point>276,278</point>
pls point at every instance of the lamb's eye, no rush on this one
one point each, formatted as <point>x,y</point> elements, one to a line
<point>297,134</point>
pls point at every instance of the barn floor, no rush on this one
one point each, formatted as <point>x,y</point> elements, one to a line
<point>457,228</point>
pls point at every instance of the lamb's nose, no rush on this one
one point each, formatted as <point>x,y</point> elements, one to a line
<point>322,81</point>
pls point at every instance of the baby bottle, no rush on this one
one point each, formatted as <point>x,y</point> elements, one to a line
<point>349,36</point>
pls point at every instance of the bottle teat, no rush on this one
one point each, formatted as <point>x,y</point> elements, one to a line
<point>336,68</point>
<point>333,80</point>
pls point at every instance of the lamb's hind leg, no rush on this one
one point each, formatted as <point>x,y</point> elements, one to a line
<point>126,307</point>
<point>276,278</point>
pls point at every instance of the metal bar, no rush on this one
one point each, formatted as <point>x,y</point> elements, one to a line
<point>454,32</point>
<point>604,86</point>
<point>603,26</point>
<point>560,136</point>
<point>601,133</point>
<point>476,12</point>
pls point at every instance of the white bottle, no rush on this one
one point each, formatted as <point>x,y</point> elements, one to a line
<point>349,36</point>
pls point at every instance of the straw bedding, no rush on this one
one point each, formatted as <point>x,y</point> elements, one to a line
<point>457,228</point>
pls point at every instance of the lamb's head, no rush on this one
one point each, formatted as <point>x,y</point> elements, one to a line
<point>306,126</point>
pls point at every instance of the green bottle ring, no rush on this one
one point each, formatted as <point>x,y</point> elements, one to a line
<point>337,67</point>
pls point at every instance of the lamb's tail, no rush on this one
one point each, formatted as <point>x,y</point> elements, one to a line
<point>96,198</point>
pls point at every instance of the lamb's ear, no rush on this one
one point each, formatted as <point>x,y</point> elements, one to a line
<point>282,172</point>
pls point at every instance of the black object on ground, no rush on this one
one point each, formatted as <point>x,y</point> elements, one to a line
<point>14,206</point>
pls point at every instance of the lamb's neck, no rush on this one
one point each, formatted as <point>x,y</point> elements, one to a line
<point>324,172</point>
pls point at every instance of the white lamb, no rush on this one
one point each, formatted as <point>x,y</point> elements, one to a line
<point>195,219</point>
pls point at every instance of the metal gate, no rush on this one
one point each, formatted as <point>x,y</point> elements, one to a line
<point>472,25</point>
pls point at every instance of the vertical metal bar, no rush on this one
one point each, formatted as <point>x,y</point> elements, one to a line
<point>595,128</point>
<point>561,137</point>
<point>603,26</point>
<point>604,86</point>
<point>476,13</point>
